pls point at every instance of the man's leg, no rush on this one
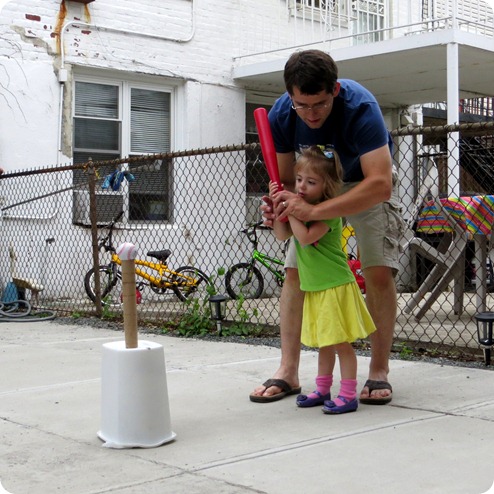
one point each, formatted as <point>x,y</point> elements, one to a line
<point>291,305</point>
<point>382,303</point>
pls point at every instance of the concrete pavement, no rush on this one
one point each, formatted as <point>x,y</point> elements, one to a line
<point>437,435</point>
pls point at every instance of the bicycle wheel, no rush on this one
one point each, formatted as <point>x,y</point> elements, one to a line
<point>244,280</point>
<point>191,283</point>
<point>111,285</point>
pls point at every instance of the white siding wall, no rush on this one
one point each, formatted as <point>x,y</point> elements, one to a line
<point>122,38</point>
<point>29,86</point>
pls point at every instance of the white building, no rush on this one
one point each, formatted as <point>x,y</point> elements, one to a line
<point>113,78</point>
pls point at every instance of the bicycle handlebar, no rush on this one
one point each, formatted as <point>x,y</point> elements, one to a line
<point>106,242</point>
<point>259,225</point>
<point>118,217</point>
<point>251,231</point>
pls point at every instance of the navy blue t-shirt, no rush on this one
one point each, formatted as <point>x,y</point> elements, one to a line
<point>354,127</point>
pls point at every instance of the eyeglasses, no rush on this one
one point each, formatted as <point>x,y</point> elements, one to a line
<point>318,107</point>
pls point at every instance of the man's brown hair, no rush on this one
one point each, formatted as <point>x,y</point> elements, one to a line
<point>311,71</point>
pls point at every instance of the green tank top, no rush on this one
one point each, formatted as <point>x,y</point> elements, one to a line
<point>324,265</point>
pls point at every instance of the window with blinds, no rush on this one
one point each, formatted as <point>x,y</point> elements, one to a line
<point>116,120</point>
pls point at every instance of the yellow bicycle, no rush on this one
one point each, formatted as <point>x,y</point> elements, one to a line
<point>186,282</point>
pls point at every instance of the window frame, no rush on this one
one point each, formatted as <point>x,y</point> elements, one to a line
<point>125,84</point>
<point>364,15</point>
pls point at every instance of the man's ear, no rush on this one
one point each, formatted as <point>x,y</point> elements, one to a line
<point>336,89</point>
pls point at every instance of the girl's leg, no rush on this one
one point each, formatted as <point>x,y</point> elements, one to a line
<point>325,367</point>
<point>348,360</point>
<point>326,360</point>
<point>324,379</point>
<point>347,397</point>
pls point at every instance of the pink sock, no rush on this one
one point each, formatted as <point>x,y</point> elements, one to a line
<point>323,385</point>
<point>348,390</point>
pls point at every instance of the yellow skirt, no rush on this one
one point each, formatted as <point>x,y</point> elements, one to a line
<point>335,315</point>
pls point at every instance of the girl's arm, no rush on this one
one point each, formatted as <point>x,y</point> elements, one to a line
<point>306,235</point>
<point>282,231</point>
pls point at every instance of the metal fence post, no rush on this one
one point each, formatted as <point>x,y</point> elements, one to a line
<point>94,234</point>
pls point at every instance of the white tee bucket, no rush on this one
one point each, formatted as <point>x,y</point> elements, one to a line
<point>135,411</point>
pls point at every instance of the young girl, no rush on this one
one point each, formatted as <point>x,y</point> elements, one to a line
<point>334,313</point>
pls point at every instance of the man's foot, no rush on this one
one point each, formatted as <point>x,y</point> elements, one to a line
<point>376,393</point>
<point>273,390</point>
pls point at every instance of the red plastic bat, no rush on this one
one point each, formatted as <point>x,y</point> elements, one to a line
<point>267,146</point>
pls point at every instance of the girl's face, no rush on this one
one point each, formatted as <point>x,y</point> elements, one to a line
<point>309,185</point>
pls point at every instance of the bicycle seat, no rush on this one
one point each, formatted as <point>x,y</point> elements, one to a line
<point>161,255</point>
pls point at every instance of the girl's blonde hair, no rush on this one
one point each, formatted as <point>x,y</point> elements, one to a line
<point>325,164</point>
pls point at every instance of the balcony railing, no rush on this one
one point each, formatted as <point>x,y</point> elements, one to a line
<point>270,29</point>
<point>478,106</point>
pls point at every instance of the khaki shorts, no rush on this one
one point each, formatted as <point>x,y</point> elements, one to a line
<point>378,232</point>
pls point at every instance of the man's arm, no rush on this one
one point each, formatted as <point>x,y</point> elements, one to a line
<point>376,187</point>
<point>286,162</point>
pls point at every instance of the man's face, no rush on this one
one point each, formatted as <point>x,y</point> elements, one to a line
<point>314,109</point>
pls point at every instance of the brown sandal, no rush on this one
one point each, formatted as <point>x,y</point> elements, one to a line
<point>279,383</point>
<point>374,385</point>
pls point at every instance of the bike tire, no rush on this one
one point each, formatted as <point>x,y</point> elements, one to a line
<point>111,285</point>
<point>202,290</point>
<point>244,280</point>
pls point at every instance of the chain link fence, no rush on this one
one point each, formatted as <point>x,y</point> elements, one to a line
<point>193,209</point>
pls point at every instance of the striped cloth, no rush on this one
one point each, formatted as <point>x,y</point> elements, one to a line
<point>475,213</point>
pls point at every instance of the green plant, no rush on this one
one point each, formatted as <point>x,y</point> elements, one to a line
<point>242,325</point>
<point>76,315</point>
<point>107,312</point>
<point>405,352</point>
<point>196,320</point>
<point>211,289</point>
<point>434,352</point>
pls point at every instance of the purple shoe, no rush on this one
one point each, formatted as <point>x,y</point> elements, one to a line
<point>304,401</point>
<point>331,408</point>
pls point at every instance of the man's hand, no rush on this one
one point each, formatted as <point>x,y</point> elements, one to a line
<point>290,203</point>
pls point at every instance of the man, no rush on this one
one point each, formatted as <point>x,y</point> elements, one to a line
<point>319,109</point>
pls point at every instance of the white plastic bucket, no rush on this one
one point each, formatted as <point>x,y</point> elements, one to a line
<point>135,411</point>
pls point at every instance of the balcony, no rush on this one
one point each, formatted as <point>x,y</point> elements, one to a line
<point>401,51</point>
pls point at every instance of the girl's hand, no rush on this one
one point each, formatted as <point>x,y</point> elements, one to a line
<point>273,193</point>
<point>273,188</point>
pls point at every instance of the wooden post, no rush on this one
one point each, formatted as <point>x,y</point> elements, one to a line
<point>127,254</point>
